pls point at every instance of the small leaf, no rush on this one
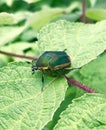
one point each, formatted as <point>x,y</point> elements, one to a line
<point>95,78</point>
<point>8,34</point>
<point>92,75</point>
<point>31,1</point>
<point>85,113</point>
<point>7,19</point>
<point>12,48</point>
<point>22,15</point>
<point>84,42</point>
<point>41,18</point>
<point>92,2</point>
<point>9,2</point>
<point>22,103</point>
<point>96,14</point>
<point>47,14</point>
<point>98,4</point>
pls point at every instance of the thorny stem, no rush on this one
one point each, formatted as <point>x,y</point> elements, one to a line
<point>19,56</point>
<point>83,11</point>
<point>78,84</point>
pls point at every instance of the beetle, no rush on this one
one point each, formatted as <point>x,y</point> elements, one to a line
<point>52,61</point>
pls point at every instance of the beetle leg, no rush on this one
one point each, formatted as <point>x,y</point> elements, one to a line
<point>34,67</point>
<point>42,79</point>
<point>33,70</point>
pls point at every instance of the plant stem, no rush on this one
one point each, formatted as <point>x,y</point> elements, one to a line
<point>83,11</point>
<point>78,84</point>
<point>19,56</point>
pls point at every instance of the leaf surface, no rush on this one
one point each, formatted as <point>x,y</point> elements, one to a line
<point>31,1</point>
<point>22,47</point>
<point>95,78</point>
<point>7,19</point>
<point>8,34</point>
<point>84,42</point>
<point>85,113</point>
<point>96,14</point>
<point>92,75</point>
<point>22,103</point>
<point>44,16</point>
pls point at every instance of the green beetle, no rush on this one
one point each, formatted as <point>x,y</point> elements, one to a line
<point>52,61</point>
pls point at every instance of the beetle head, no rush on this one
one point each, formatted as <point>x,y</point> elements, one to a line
<point>34,67</point>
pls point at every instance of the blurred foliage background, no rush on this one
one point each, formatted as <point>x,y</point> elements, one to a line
<point>20,20</point>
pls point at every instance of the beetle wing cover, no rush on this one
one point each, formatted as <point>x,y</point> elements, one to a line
<point>54,59</point>
<point>60,59</point>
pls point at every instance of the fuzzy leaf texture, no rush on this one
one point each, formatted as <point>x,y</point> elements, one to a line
<point>23,106</point>
<point>84,42</point>
<point>85,113</point>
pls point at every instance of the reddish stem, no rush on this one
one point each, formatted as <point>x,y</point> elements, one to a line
<point>83,11</point>
<point>78,84</point>
<point>19,56</point>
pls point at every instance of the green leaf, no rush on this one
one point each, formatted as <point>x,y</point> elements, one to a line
<point>85,113</point>
<point>7,19</point>
<point>9,2</point>
<point>101,4</point>
<point>22,15</point>
<point>8,34</point>
<point>96,14</point>
<point>95,78</point>
<point>98,10</point>
<point>72,6</point>
<point>2,63</point>
<point>72,17</point>
<point>92,2</point>
<point>22,103</point>
<point>31,1</point>
<point>40,18</point>
<point>47,14</point>
<point>28,35</point>
<point>91,77</point>
<point>12,48</point>
<point>84,42</point>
